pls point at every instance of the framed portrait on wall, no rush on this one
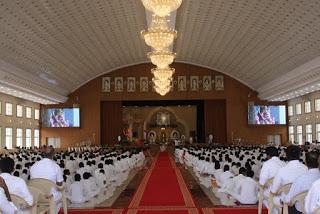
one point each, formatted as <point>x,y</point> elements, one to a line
<point>144,86</point>
<point>182,83</point>
<point>118,84</point>
<point>206,83</point>
<point>106,84</point>
<point>131,84</point>
<point>219,83</point>
<point>194,83</point>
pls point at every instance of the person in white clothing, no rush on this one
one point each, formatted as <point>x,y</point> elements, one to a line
<point>305,181</point>
<point>287,174</point>
<point>312,201</point>
<point>246,189</point>
<point>49,169</point>
<point>76,193</point>
<point>271,167</point>
<point>225,176</point>
<point>16,186</point>
<point>6,205</point>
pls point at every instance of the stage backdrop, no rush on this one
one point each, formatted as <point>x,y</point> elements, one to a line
<point>190,83</point>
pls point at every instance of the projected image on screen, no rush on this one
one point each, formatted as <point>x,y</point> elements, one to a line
<point>61,117</point>
<point>267,115</point>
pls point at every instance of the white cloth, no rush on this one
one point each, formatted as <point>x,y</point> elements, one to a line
<point>17,186</point>
<point>6,207</point>
<point>76,193</point>
<point>48,169</point>
<point>246,191</point>
<point>224,177</point>
<point>312,201</point>
<point>301,184</point>
<point>269,169</point>
<point>287,174</point>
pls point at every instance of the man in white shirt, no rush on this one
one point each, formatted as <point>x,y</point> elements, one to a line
<point>6,205</point>
<point>246,190</point>
<point>16,185</point>
<point>305,181</point>
<point>287,174</point>
<point>312,201</point>
<point>49,169</point>
<point>271,167</point>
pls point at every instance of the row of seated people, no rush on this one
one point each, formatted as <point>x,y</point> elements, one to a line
<point>238,172</point>
<point>82,175</point>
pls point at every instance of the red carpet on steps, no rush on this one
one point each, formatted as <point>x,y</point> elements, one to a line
<point>162,188</point>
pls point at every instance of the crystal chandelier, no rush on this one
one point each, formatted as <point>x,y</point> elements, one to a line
<point>162,74</point>
<point>162,92</point>
<point>161,59</point>
<point>159,36</point>
<point>161,7</point>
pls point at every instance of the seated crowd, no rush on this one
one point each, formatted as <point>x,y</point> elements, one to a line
<point>82,175</point>
<point>237,173</point>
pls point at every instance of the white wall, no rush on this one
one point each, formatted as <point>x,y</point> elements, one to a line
<point>15,122</point>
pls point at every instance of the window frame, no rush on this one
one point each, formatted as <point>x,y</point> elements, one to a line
<point>307,126</point>
<point>298,104</point>
<point>9,115</point>
<point>20,137</point>
<point>315,105</point>
<point>310,110</point>
<point>28,138</point>
<point>290,115</point>
<point>21,110</point>
<point>28,107</point>
<point>38,110</point>
<point>11,146</point>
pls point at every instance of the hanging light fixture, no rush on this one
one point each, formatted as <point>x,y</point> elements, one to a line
<point>159,36</point>
<point>163,74</point>
<point>161,7</point>
<point>162,59</point>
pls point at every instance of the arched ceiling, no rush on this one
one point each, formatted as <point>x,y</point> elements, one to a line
<point>51,47</point>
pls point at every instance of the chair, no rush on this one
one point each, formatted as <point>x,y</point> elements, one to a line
<point>36,193</point>
<point>262,188</point>
<point>22,204</point>
<point>297,198</point>
<point>46,198</point>
<point>284,189</point>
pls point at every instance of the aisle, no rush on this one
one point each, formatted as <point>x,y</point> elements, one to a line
<point>162,190</point>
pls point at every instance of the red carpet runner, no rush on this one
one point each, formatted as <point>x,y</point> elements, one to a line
<point>164,191</point>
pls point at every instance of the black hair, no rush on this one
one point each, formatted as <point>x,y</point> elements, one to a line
<point>272,151</point>
<point>77,177</point>
<point>86,175</point>
<point>293,153</point>
<point>250,173</point>
<point>242,171</point>
<point>7,165</point>
<point>226,168</point>
<point>312,159</point>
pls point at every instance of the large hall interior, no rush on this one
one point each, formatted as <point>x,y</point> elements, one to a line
<point>160,106</point>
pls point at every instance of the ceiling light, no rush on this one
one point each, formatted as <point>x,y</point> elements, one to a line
<point>161,7</point>
<point>159,36</point>
<point>162,59</point>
